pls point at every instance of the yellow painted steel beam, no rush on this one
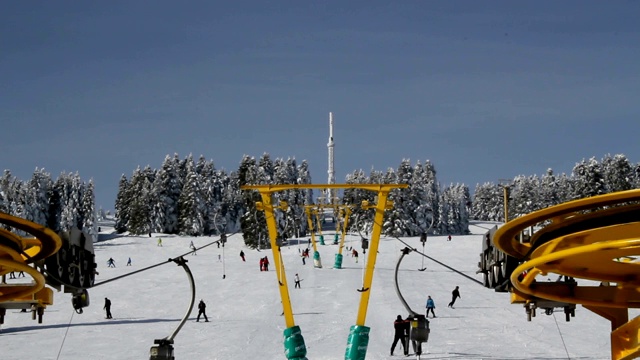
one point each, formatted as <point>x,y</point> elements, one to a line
<point>505,237</point>
<point>346,214</point>
<point>371,259</point>
<point>309,211</point>
<point>50,241</point>
<point>9,292</point>
<point>625,341</point>
<point>268,208</point>
<point>281,187</point>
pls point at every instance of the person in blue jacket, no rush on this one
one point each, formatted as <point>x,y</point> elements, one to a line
<point>430,306</point>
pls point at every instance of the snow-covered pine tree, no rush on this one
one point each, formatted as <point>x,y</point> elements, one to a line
<point>617,173</point>
<point>88,209</point>
<point>252,221</point>
<point>191,203</point>
<point>587,179</point>
<point>122,205</point>
<point>36,196</point>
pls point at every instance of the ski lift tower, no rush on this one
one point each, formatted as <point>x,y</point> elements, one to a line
<point>330,194</point>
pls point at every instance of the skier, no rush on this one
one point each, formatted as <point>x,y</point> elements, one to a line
<point>303,262</point>
<point>430,306</point>
<point>261,264</point>
<point>449,238</point>
<point>354,253</point>
<point>159,241</point>
<point>454,295</point>
<point>107,307</point>
<point>296,279</point>
<point>399,328</point>
<point>193,247</point>
<point>129,262</point>
<point>201,311</point>
<point>266,263</point>
<point>111,263</point>
<point>242,255</point>
<point>407,334</point>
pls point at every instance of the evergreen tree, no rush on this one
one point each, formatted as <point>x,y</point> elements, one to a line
<point>252,221</point>
<point>37,196</point>
<point>587,179</point>
<point>191,203</point>
<point>88,209</point>
<point>139,204</point>
<point>122,205</point>
<point>617,173</point>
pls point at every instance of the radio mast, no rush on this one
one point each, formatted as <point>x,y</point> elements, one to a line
<point>330,193</point>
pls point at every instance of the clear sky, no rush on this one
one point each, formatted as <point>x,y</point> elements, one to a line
<point>485,90</point>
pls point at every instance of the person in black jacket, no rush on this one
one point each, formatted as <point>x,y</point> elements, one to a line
<point>107,307</point>
<point>399,327</point>
<point>202,311</point>
<point>454,295</point>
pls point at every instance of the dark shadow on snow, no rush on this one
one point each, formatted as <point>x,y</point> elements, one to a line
<point>18,330</point>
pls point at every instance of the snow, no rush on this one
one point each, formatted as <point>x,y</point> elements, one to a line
<point>244,308</point>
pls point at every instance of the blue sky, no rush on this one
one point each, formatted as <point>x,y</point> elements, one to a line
<point>484,90</point>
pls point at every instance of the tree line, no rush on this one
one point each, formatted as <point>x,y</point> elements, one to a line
<point>191,197</point>
<point>59,205</point>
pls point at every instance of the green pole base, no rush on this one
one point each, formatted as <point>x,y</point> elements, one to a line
<point>321,239</point>
<point>357,343</point>
<point>316,259</point>
<point>294,347</point>
<point>338,263</point>
<point>336,238</point>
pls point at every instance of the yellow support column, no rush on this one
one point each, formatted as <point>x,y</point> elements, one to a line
<point>373,254</point>
<point>268,207</point>
<point>347,214</point>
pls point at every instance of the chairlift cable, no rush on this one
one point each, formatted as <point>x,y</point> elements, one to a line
<point>153,266</point>
<point>561,337</point>
<point>65,335</point>
<point>223,237</point>
<point>437,262</point>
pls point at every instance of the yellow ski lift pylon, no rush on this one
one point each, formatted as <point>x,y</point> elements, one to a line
<point>358,338</point>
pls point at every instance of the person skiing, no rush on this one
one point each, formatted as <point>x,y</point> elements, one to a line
<point>107,307</point>
<point>111,263</point>
<point>193,248</point>
<point>407,334</point>
<point>159,241</point>
<point>242,255</point>
<point>449,238</point>
<point>262,264</point>
<point>430,306</point>
<point>296,279</point>
<point>354,253</point>
<point>454,295</point>
<point>202,311</point>
<point>129,262</point>
<point>303,257</point>
<point>398,335</point>
<point>266,263</point>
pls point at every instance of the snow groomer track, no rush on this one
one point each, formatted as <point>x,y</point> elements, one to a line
<point>594,244</point>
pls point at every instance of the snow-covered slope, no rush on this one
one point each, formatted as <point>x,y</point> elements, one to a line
<point>245,312</point>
